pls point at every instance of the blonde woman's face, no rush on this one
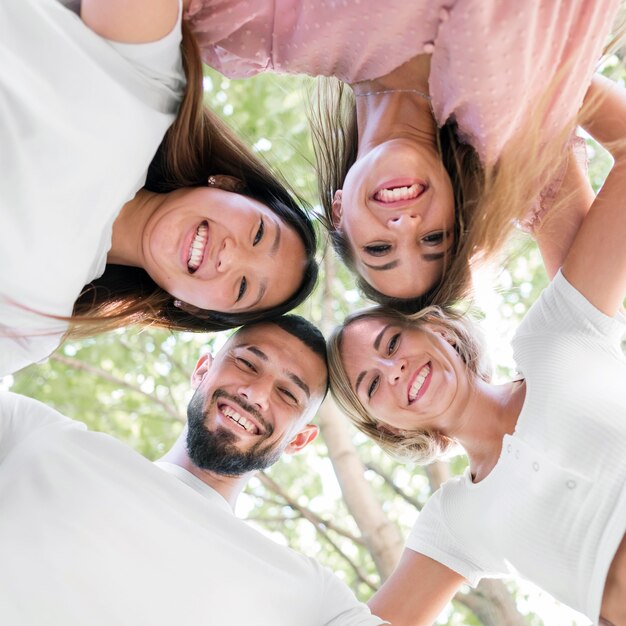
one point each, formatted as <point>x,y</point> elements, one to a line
<point>222,251</point>
<point>397,212</point>
<point>405,377</point>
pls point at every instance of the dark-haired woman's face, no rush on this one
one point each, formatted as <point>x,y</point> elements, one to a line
<point>222,251</point>
<point>397,212</point>
<point>404,376</point>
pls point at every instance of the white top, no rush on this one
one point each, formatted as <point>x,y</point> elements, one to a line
<point>80,120</point>
<point>92,533</point>
<point>553,509</point>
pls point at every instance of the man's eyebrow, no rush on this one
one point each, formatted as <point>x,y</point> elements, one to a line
<point>382,268</point>
<point>276,242</point>
<point>257,352</point>
<point>299,382</point>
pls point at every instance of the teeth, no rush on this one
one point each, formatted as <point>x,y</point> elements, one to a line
<point>418,382</point>
<point>398,193</point>
<point>196,250</point>
<point>245,423</point>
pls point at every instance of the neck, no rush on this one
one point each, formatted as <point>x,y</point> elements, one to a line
<point>128,227</point>
<point>399,111</point>
<point>491,412</point>
<point>229,487</point>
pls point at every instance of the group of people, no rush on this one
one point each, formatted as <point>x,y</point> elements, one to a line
<point>436,126</point>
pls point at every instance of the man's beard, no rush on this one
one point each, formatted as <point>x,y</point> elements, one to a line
<point>216,451</point>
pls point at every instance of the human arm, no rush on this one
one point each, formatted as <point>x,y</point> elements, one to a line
<point>596,262</point>
<point>556,231</point>
<point>125,21</point>
<point>416,592</point>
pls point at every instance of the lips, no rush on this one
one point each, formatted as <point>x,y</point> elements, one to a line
<point>399,193</point>
<point>197,247</point>
<point>419,383</point>
<point>241,420</point>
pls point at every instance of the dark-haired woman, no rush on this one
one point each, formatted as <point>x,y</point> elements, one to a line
<point>455,119</point>
<point>93,238</point>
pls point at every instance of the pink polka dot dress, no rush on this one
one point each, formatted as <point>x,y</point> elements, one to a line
<point>491,59</point>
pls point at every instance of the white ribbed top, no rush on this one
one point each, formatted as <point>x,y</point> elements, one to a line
<point>553,509</point>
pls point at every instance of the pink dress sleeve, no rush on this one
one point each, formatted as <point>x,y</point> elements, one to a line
<point>353,40</point>
<point>493,59</point>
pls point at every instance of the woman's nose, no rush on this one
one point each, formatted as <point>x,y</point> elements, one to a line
<point>394,370</point>
<point>226,256</point>
<point>404,221</point>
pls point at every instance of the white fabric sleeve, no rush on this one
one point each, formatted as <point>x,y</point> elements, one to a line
<point>21,416</point>
<point>340,606</point>
<point>431,537</point>
<point>159,61</point>
<point>562,309</point>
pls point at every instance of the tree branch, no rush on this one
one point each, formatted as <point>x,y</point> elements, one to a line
<point>119,382</point>
<point>389,481</point>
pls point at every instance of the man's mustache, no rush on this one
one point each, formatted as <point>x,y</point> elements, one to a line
<point>242,404</point>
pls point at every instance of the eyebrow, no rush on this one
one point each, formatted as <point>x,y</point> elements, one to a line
<point>379,338</point>
<point>292,377</point>
<point>276,242</point>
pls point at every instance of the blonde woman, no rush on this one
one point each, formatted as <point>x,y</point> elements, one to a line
<point>99,232</point>
<point>451,120</point>
<point>547,450</point>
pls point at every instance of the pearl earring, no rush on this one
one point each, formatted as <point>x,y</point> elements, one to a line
<point>211,181</point>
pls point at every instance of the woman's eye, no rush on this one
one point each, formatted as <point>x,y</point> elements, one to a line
<point>259,233</point>
<point>242,289</point>
<point>377,249</point>
<point>373,386</point>
<point>393,344</point>
<point>434,239</point>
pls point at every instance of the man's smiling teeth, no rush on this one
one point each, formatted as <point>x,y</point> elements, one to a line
<point>196,249</point>
<point>418,382</point>
<point>399,193</point>
<point>245,423</point>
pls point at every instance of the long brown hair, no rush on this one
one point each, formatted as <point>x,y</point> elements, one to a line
<point>197,145</point>
<point>488,200</point>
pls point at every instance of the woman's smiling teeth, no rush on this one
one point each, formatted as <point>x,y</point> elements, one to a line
<point>245,423</point>
<point>418,382</point>
<point>197,247</point>
<point>399,193</point>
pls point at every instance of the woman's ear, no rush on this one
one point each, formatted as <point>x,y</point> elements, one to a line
<point>389,430</point>
<point>227,183</point>
<point>337,209</point>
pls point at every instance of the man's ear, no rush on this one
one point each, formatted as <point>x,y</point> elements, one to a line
<point>227,183</point>
<point>337,208</point>
<point>302,438</point>
<point>202,367</point>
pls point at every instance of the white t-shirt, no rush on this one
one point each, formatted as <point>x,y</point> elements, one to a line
<point>553,509</point>
<point>92,533</point>
<point>80,120</point>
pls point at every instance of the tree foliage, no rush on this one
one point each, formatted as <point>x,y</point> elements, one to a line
<point>135,386</point>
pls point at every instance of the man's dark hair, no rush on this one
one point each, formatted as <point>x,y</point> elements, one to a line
<point>305,331</point>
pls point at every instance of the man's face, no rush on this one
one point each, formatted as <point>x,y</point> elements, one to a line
<point>253,402</point>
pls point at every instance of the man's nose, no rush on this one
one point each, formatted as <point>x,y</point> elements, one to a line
<point>256,393</point>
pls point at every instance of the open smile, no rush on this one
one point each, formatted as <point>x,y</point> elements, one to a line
<point>198,247</point>
<point>236,417</point>
<point>419,383</point>
<point>399,193</point>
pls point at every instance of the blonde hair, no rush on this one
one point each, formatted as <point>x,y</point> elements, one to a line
<point>419,445</point>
